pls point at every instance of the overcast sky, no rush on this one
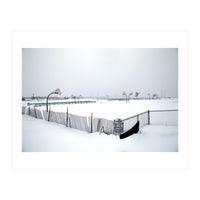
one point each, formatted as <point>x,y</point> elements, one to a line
<point>99,71</point>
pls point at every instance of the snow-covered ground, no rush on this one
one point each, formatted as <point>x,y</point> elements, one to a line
<point>114,109</point>
<point>42,136</point>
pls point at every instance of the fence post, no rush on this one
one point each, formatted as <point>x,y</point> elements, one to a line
<point>148,117</point>
<point>49,113</point>
<point>91,121</point>
<point>35,112</point>
<point>67,117</point>
<point>70,123</point>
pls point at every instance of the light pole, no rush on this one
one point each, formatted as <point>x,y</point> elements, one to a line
<point>79,97</point>
<point>124,93</point>
<point>57,91</point>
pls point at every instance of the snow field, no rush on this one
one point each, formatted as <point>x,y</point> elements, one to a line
<point>42,136</point>
<point>114,109</point>
<point>161,136</point>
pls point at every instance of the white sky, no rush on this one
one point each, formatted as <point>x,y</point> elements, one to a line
<point>99,71</point>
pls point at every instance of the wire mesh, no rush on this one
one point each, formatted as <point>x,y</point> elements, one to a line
<point>166,117</point>
<point>131,121</point>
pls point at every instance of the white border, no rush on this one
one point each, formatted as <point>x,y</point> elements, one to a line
<point>99,39</point>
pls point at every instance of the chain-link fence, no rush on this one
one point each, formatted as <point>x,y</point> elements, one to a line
<point>131,121</point>
<point>164,117</point>
<point>153,117</point>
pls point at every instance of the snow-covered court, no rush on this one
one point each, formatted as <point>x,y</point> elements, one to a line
<point>41,136</point>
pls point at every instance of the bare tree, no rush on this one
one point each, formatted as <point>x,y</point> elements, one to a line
<point>137,94</point>
<point>33,97</point>
<point>73,97</point>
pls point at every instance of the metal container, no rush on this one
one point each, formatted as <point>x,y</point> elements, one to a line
<point>118,126</point>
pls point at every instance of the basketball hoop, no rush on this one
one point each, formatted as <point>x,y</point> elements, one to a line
<point>57,91</point>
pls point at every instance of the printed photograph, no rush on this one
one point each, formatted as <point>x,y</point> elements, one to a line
<point>99,100</point>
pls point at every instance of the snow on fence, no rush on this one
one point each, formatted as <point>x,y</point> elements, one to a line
<point>23,110</point>
<point>105,126</point>
<point>39,114</point>
<point>155,117</point>
<point>45,115</point>
<point>67,119</point>
<point>33,112</point>
<point>131,121</point>
<point>78,122</point>
<point>57,117</point>
<point>101,125</point>
<point>90,124</point>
